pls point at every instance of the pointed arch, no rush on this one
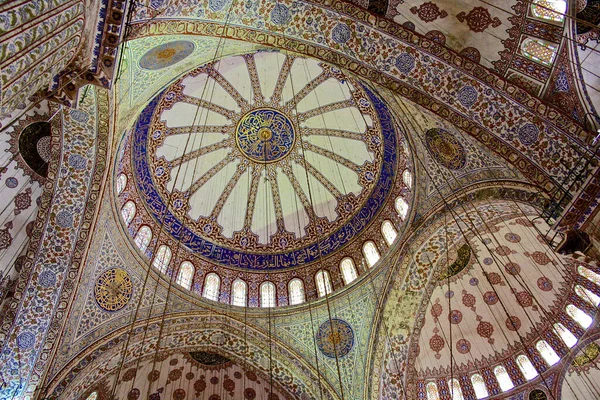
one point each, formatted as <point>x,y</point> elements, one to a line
<point>143,237</point>
<point>162,258</point>
<point>296,291</point>
<point>121,183</point>
<point>212,285</point>
<point>185,276</point>
<point>267,294</point>
<point>239,293</point>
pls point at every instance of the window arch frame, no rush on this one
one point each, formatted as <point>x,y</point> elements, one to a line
<point>578,315</point>
<point>370,263</point>
<point>561,13</point>
<point>143,243</point>
<point>567,337</point>
<point>524,366</point>
<point>503,378</point>
<point>587,295</point>
<point>550,357</point>
<point>163,264</point>
<point>208,292</point>
<point>326,288</point>
<point>543,43</point>
<point>121,183</point>
<point>407,178</point>
<point>433,394</point>
<point>402,207</point>
<point>455,389</point>
<point>353,275</point>
<point>302,292</point>
<point>235,297</point>
<point>483,392</point>
<point>388,239</point>
<point>130,216</point>
<point>271,295</point>
<point>186,281</point>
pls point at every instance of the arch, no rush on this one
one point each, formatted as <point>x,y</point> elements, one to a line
<point>538,50</point>
<point>267,294</point>
<point>348,270</point>
<point>371,253</point>
<point>526,367</point>
<point>401,207</point>
<point>432,391</point>
<point>589,274</point>
<point>479,386</point>
<point>547,352</point>
<point>579,316</point>
<point>212,284</point>
<point>121,183</point>
<point>128,212</point>
<point>567,337</point>
<point>162,258</point>
<point>389,232</point>
<point>503,378</point>
<point>455,389</point>
<point>143,237</point>
<point>407,178</point>
<point>323,282</point>
<point>588,296</point>
<point>92,396</point>
<point>239,293</point>
<point>185,275</point>
<point>296,291</point>
<point>552,10</point>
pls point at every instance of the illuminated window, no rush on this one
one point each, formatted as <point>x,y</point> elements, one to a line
<point>553,10</point>
<point>296,289</point>
<point>402,207</point>
<point>185,275</point>
<point>348,270</point>
<point>538,51</point>
<point>267,294</point>
<point>589,274</point>
<point>503,378</point>
<point>526,367</point>
<point>567,337</point>
<point>239,293</point>
<point>547,352</point>
<point>323,283</point>
<point>407,178</point>
<point>128,212</point>
<point>579,316</point>
<point>143,237</point>
<point>432,391</point>
<point>121,183</point>
<point>479,386</point>
<point>162,258</point>
<point>389,232</point>
<point>212,283</point>
<point>587,295</point>
<point>371,253</point>
<point>455,390</point>
<point>92,396</point>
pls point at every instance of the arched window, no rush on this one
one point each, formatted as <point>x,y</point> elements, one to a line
<point>121,183</point>
<point>402,207</point>
<point>143,237</point>
<point>371,253</point>
<point>185,275</point>
<point>296,289</point>
<point>323,282</point>
<point>267,294</point>
<point>589,274</point>
<point>389,232</point>
<point>92,396</point>
<point>579,316</point>
<point>407,178</point>
<point>239,293</point>
<point>547,352</point>
<point>212,283</point>
<point>526,367</point>
<point>348,270</point>
<point>432,391</point>
<point>553,10</point>
<point>503,378</point>
<point>455,390</point>
<point>162,258</point>
<point>479,386</point>
<point>128,212</point>
<point>538,51</point>
<point>567,337</point>
<point>588,296</point>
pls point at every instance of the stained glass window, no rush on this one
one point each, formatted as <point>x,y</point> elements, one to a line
<point>567,337</point>
<point>371,253</point>
<point>267,294</point>
<point>162,258</point>
<point>588,296</point>
<point>479,386</point>
<point>538,51</point>
<point>589,274</point>
<point>503,378</point>
<point>553,10</point>
<point>185,275</point>
<point>432,391</point>
<point>212,283</point>
<point>239,293</point>
<point>128,212</point>
<point>407,178</point>
<point>121,183</point>
<point>143,237</point>
<point>547,352</point>
<point>92,396</point>
<point>455,389</point>
<point>526,367</point>
<point>296,289</point>
<point>389,232</point>
<point>323,283</point>
<point>579,316</point>
<point>402,207</point>
<point>348,270</point>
